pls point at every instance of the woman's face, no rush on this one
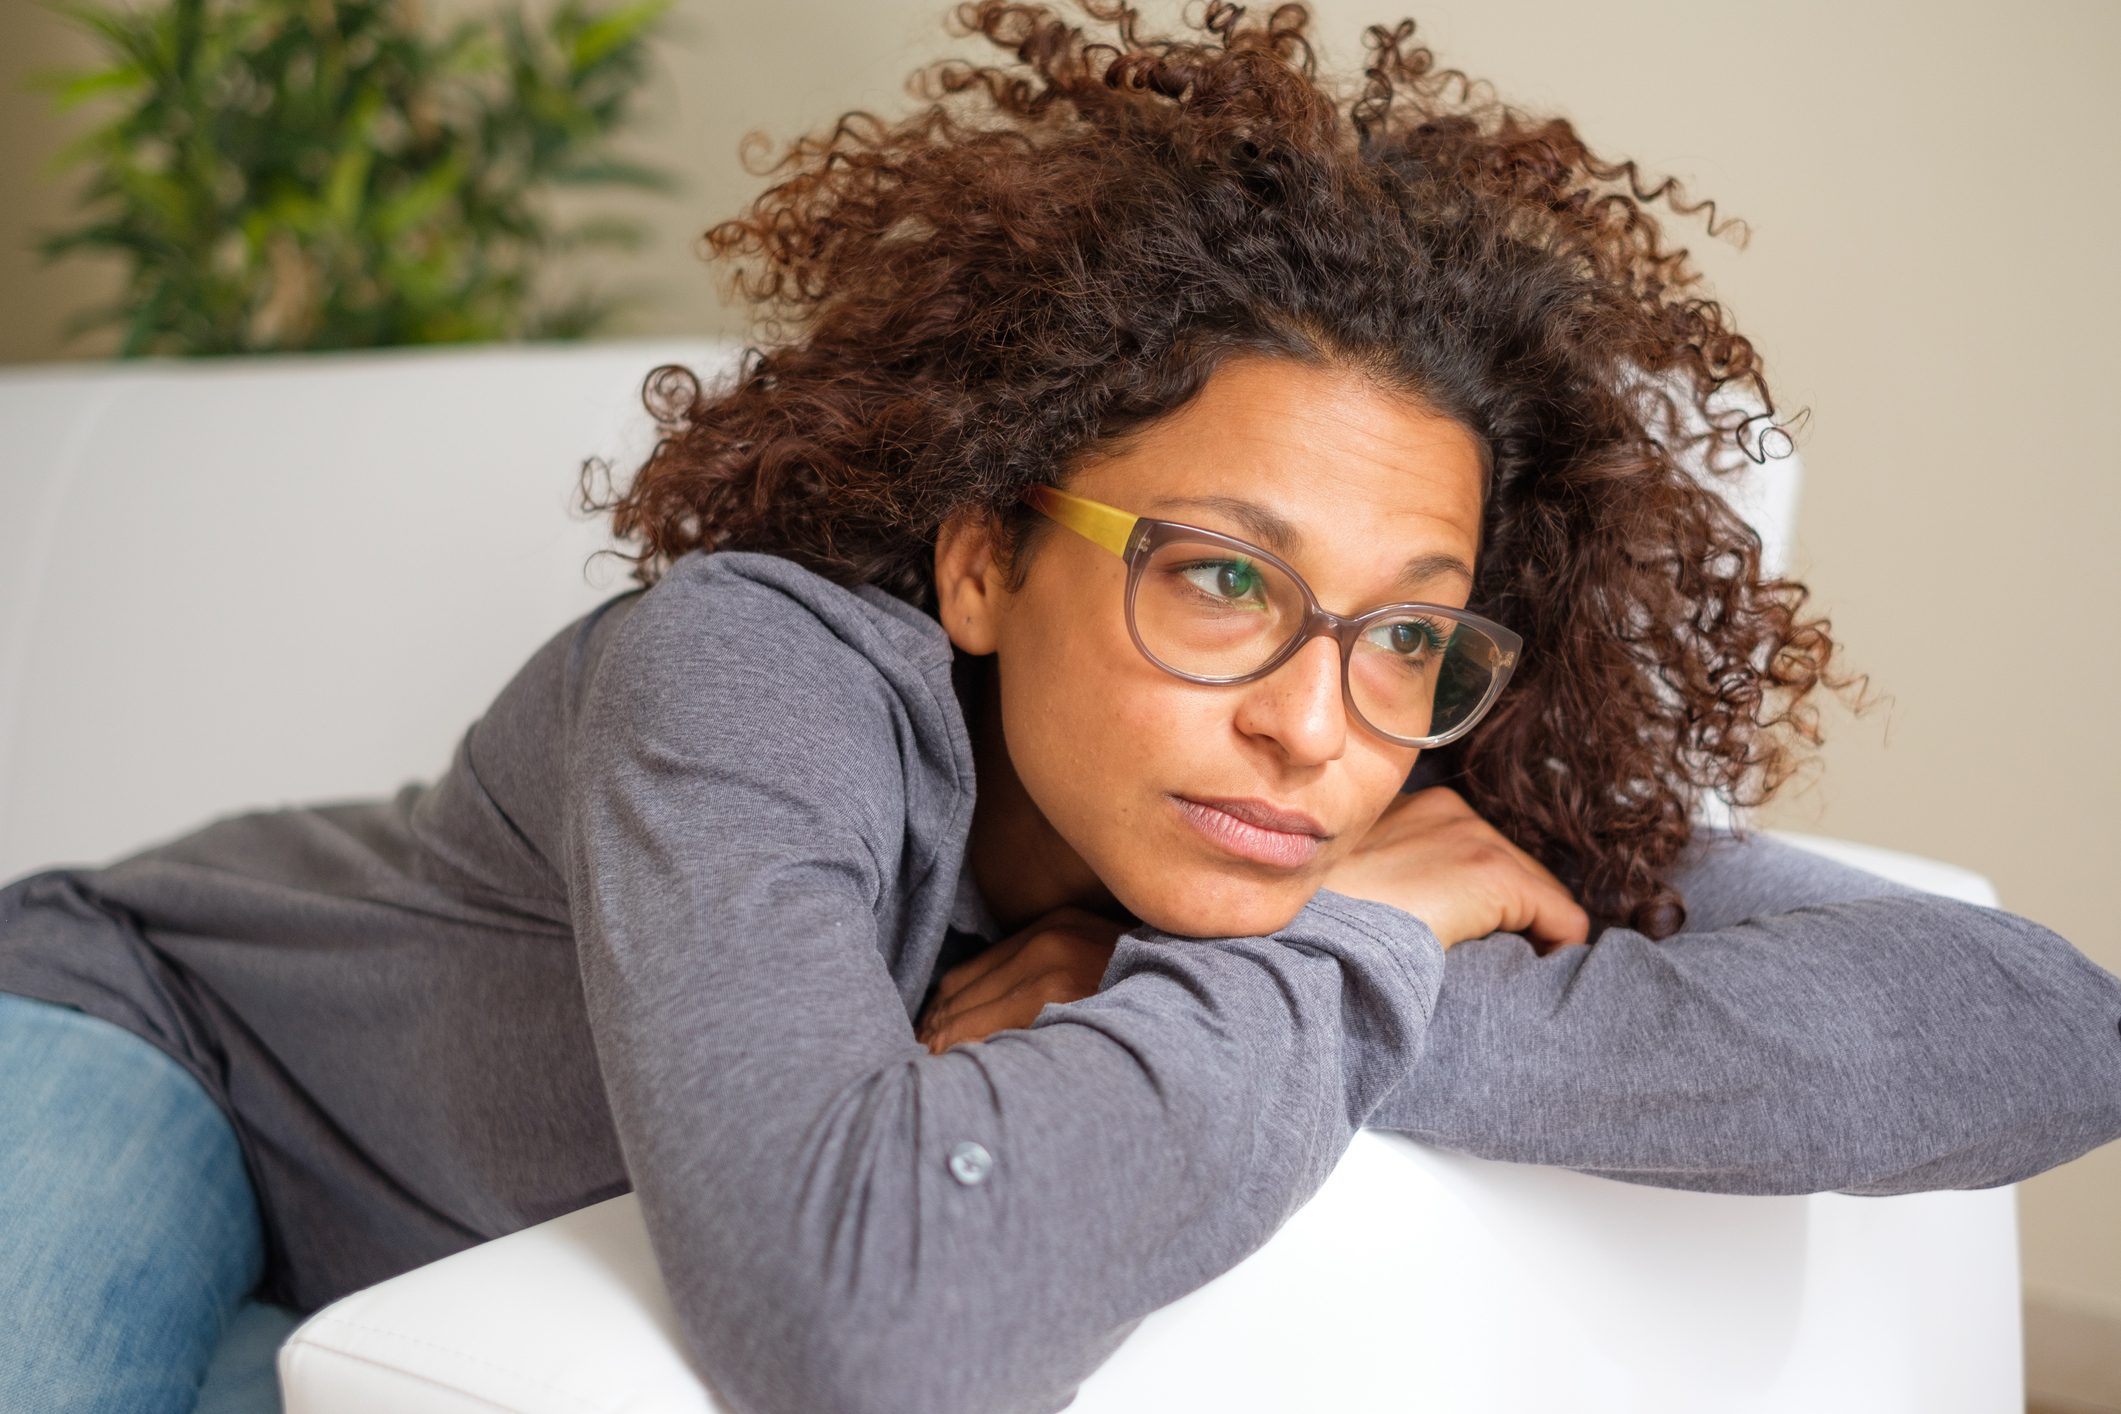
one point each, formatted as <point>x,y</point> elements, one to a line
<point>1088,749</point>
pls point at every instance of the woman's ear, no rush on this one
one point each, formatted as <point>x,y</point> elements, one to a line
<point>968,590</point>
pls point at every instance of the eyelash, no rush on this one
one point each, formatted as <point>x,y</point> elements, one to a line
<point>1182,570</point>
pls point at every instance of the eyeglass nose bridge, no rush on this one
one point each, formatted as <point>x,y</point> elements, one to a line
<point>1318,621</point>
<point>1343,629</point>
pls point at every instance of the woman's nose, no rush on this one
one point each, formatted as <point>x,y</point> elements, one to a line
<point>1300,703</point>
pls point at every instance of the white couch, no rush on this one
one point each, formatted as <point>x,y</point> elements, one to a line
<point>241,582</point>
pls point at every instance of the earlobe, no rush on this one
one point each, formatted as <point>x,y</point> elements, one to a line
<point>966,583</point>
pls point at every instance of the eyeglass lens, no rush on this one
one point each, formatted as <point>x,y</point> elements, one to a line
<point>1206,610</point>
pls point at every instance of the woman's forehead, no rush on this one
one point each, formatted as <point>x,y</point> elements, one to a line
<point>1286,535</point>
<point>1312,513</point>
<point>1313,446</point>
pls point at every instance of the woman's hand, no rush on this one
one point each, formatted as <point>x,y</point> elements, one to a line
<point>1432,856</point>
<point>1058,957</point>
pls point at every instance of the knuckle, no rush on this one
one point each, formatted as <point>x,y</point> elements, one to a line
<point>1491,853</point>
<point>1035,983</point>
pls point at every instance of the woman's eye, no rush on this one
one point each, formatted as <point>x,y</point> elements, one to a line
<point>1412,638</point>
<point>1222,579</point>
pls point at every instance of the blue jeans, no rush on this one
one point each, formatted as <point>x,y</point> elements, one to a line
<point>130,1242</point>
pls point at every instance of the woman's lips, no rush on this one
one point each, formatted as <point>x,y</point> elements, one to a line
<point>1280,848</point>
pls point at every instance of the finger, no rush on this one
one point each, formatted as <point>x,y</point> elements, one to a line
<point>1066,960</point>
<point>1003,1014</point>
<point>1551,916</point>
<point>990,987</point>
<point>1552,896</point>
<point>980,964</point>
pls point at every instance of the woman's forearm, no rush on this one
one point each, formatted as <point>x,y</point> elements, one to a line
<point>1815,1028</point>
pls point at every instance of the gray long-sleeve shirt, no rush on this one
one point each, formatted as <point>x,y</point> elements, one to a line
<point>667,917</point>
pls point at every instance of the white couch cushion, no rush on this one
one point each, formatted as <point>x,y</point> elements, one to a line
<point>228,583</point>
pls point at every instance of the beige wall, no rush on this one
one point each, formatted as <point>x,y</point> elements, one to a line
<point>1931,271</point>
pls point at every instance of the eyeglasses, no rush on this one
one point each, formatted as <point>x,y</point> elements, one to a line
<point>1211,608</point>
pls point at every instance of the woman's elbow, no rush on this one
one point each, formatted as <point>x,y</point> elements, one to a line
<point>830,1357</point>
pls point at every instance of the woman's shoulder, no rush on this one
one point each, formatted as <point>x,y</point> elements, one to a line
<point>746,652</point>
<point>751,598</point>
<point>744,683</point>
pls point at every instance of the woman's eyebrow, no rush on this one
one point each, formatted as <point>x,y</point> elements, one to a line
<point>1284,539</point>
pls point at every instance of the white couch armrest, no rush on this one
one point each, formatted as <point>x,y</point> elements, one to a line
<point>565,1317</point>
<point>1415,1277</point>
<point>1916,871</point>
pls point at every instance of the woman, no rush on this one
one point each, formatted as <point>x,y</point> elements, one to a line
<point>1205,552</point>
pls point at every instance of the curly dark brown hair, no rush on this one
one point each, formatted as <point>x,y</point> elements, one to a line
<point>1055,252</point>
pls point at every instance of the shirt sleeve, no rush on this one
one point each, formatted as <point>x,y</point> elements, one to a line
<point>844,1221</point>
<point>1814,1028</point>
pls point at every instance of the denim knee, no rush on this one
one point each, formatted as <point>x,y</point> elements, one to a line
<point>129,1232</point>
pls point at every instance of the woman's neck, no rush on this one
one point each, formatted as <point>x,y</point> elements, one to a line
<point>1023,868</point>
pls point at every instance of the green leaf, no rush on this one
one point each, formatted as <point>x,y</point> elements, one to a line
<point>421,200</point>
<point>70,88</point>
<point>294,209</point>
<point>104,235</point>
<point>110,137</point>
<point>613,31</point>
<point>620,231</point>
<point>349,170</point>
<point>156,194</point>
<point>612,171</point>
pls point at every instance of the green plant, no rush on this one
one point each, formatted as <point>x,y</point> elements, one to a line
<point>317,174</point>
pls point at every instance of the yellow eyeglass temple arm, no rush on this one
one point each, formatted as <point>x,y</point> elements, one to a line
<point>1093,520</point>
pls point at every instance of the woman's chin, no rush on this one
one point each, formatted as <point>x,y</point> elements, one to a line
<point>1217,908</point>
